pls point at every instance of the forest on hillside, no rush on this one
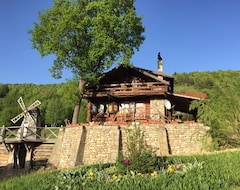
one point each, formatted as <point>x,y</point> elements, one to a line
<point>57,102</point>
<point>221,111</point>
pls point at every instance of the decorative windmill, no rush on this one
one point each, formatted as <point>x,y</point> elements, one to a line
<point>30,119</point>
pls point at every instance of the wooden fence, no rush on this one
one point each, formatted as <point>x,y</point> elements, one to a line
<point>20,133</point>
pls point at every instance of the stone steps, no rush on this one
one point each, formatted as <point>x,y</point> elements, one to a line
<point>3,155</point>
<point>41,154</point>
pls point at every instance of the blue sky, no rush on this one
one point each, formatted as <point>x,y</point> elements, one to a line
<point>192,35</point>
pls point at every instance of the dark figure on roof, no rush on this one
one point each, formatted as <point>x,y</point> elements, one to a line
<point>159,57</point>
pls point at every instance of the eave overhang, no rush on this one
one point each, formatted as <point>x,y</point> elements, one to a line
<point>182,102</point>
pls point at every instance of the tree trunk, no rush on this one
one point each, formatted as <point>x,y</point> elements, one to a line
<point>81,87</point>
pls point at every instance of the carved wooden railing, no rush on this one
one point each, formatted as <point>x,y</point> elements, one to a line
<point>128,115</point>
<point>128,88</point>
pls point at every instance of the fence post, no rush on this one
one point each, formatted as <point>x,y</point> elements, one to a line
<point>21,131</point>
<point>2,133</point>
<point>45,132</point>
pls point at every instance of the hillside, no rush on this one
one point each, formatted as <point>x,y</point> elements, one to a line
<point>221,111</point>
<point>57,102</point>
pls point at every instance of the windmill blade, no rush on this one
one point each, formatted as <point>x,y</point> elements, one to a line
<point>34,104</point>
<point>21,103</point>
<point>19,116</point>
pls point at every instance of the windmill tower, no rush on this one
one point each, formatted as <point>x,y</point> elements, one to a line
<point>30,121</point>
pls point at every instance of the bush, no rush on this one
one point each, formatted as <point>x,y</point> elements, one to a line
<point>139,156</point>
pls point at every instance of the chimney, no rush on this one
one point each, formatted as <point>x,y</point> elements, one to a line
<point>160,64</point>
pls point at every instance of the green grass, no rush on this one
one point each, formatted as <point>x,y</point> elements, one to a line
<point>215,171</point>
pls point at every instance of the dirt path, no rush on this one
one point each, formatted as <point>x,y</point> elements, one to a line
<point>10,173</point>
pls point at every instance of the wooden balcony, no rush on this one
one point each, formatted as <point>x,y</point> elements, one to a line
<point>127,89</point>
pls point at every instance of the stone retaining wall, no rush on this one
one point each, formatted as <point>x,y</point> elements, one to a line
<point>186,139</point>
<point>154,135</point>
<point>102,144</point>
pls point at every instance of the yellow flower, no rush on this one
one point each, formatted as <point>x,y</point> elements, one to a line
<point>115,176</point>
<point>153,173</point>
<point>170,168</point>
<point>90,175</point>
<point>140,174</point>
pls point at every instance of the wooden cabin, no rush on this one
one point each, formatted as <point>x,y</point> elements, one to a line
<point>127,94</point>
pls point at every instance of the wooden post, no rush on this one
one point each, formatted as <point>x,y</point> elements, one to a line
<point>45,132</point>
<point>10,159</point>
<point>28,157</point>
<point>169,115</point>
<point>21,131</point>
<point>2,134</point>
<point>89,107</point>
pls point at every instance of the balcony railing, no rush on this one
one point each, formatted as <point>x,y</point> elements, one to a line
<point>128,89</point>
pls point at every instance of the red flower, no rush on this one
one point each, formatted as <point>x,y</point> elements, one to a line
<point>126,161</point>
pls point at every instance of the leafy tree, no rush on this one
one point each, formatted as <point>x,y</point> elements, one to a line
<point>54,112</point>
<point>221,111</point>
<point>87,37</point>
<point>9,107</point>
<point>3,90</point>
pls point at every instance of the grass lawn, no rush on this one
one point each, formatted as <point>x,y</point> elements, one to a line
<point>214,171</point>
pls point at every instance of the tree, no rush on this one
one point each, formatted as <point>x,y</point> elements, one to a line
<point>54,112</point>
<point>87,37</point>
<point>221,111</point>
<point>4,89</point>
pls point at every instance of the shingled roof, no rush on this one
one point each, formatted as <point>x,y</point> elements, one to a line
<point>113,75</point>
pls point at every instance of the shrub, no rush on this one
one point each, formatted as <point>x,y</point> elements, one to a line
<point>139,156</point>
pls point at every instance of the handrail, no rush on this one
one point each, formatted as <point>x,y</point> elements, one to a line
<point>129,87</point>
<point>132,84</point>
<point>23,133</point>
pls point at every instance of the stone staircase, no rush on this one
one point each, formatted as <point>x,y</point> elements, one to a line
<point>3,155</point>
<point>41,154</point>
